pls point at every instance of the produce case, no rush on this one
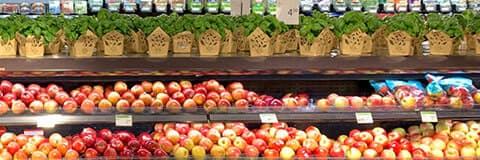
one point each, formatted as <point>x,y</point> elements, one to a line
<point>82,103</point>
<point>317,76</point>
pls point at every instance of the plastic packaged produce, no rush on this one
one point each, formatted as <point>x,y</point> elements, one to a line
<point>406,91</point>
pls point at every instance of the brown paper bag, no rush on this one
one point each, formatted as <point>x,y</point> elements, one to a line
<point>137,43</point>
<point>368,46</point>
<point>322,45</point>
<point>30,46</point>
<point>400,44</point>
<point>260,43</point>
<point>229,43</point>
<point>292,37</point>
<point>242,40</point>
<point>279,43</point>
<point>476,38</point>
<point>440,43</point>
<point>470,39</point>
<point>209,43</point>
<point>56,45</point>
<point>183,42</point>
<point>352,44</point>
<point>8,48</point>
<point>158,43</point>
<point>84,46</point>
<point>113,43</point>
<point>379,38</point>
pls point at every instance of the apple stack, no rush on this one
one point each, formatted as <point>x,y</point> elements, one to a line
<point>374,101</point>
<point>17,98</point>
<point>373,143</point>
<point>234,140</point>
<point>88,144</point>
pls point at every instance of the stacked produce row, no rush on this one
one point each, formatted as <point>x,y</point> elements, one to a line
<point>444,140</point>
<point>355,33</point>
<point>211,96</point>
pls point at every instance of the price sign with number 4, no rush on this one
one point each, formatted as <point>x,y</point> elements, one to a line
<point>288,11</point>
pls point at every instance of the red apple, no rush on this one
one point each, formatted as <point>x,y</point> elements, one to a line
<point>18,107</point>
<point>18,89</point>
<point>374,100</point>
<point>120,87</point>
<point>50,106</point>
<point>36,107</point>
<point>61,97</point>
<point>122,106</point>
<point>113,97</point>
<point>6,86</point>
<point>27,97</point>
<point>129,96</point>
<point>87,106</point>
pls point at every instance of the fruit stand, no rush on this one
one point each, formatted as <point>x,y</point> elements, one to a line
<point>259,103</point>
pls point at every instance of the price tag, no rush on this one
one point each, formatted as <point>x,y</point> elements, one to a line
<point>123,120</point>
<point>288,11</point>
<point>430,8</point>
<point>357,8</point>
<point>48,121</point>
<point>246,7</point>
<point>364,117</point>
<point>402,9</point>
<point>325,8</point>
<point>268,117</point>
<point>429,116</point>
<point>236,8</point>
<point>416,9</point>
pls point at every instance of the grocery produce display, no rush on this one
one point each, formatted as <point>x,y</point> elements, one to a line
<point>211,96</point>
<point>354,34</point>
<point>444,140</point>
<point>198,86</point>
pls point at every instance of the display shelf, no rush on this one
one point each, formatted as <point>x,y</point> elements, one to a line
<point>21,120</point>
<point>248,116</point>
<point>196,63</point>
<point>347,116</point>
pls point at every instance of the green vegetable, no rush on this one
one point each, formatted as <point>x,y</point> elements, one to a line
<point>352,21</point>
<point>269,24</point>
<point>7,29</point>
<point>447,24</point>
<point>206,22</point>
<point>311,27</point>
<point>77,26</point>
<point>411,23</point>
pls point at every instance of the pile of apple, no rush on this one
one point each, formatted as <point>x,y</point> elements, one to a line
<point>18,99</point>
<point>139,98</point>
<point>445,140</point>
<point>374,101</point>
<point>183,95</point>
<point>88,144</point>
<point>234,140</point>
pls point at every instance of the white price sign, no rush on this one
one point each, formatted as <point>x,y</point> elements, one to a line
<point>429,116</point>
<point>48,121</point>
<point>123,120</point>
<point>288,11</point>
<point>268,118</point>
<point>364,117</point>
